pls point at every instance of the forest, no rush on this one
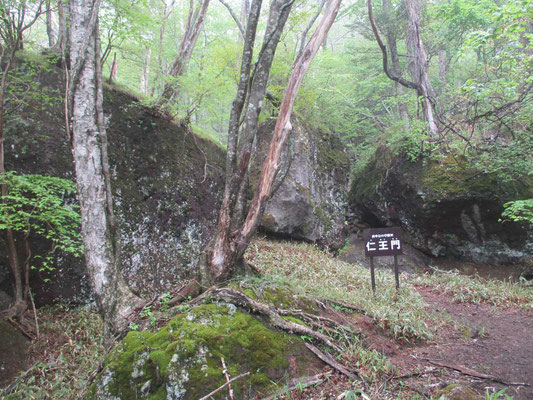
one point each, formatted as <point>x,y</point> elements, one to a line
<point>187,189</point>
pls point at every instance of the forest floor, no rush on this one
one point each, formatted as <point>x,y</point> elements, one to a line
<point>485,348</point>
<point>442,333</point>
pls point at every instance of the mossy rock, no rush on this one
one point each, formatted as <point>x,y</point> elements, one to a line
<point>457,392</point>
<point>182,360</point>
<point>446,208</point>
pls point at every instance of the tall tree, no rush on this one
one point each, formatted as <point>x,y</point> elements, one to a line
<point>229,246</point>
<point>418,62</point>
<point>195,22</point>
<point>89,149</point>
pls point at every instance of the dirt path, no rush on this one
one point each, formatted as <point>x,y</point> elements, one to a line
<point>489,340</point>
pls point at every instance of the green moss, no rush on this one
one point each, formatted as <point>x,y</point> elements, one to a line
<point>457,392</point>
<point>187,354</point>
<point>331,154</point>
<point>448,180</point>
<point>268,221</point>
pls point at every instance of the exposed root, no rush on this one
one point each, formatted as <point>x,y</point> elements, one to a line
<point>23,328</point>
<point>331,362</point>
<point>234,296</point>
<point>318,321</point>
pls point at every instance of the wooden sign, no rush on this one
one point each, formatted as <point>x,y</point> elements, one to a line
<point>383,242</point>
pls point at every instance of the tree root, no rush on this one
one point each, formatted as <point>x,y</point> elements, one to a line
<point>318,321</point>
<point>234,296</point>
<point>331,362</point>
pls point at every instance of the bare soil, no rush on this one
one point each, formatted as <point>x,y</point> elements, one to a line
<point>491,340</point>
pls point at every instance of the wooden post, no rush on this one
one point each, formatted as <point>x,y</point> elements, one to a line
<point>372,276</point>
<point>396,273</point>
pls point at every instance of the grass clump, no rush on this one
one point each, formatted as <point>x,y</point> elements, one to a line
<point>307,269</point>
<point>62,361</point>
<point>474,289</point>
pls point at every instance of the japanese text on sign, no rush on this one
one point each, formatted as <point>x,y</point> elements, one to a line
<point>382,242</point>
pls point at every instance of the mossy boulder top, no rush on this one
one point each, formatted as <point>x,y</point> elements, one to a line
<point>444,209</point>
<point>182,360</point>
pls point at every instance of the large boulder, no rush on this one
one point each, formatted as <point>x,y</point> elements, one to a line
<point>166,183</point>
<point>182,359</point>
<point>310,198</point>
<point>446,211</point>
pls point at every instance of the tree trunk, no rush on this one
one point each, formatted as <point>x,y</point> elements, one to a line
<point>89,149</point>
<point>395,61</point>
<point>195,22</point>
<point>443,65</point>
<point>303,38</point>
<point>229,249</point>
<point>145,73</point>
<point>49,27</point>
<point>419,63</point>
<point>113,73</point>
<point>221,248</point>
<point>60,44</point>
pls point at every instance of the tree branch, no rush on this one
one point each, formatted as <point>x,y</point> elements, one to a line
<point>390,75</point>
<point>234,16</point>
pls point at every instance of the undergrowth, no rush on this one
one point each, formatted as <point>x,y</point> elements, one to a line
<point>474,289</point>
<point>306,268</point>
<point>62,361</point>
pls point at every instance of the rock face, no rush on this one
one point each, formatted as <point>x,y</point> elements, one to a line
<point>165,188</point>
<point>167,183</point>
<point>309,202</point>
<point>446,211</point>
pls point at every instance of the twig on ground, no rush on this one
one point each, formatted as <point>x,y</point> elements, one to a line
<point>224,385</point>
<point>300,384</point>
<point>331,362</point>
<point>475,374</point>
<point>225,372</point>
<point>348,306</point>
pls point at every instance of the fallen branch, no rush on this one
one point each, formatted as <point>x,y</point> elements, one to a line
<point>224,385</point>
<point>348,306</point>
<point>331,362</point>
<point>225,372</point>
<point>234,296</point>
<point>299,384</point>
<point>192,288</point>
<point>475,374</point>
